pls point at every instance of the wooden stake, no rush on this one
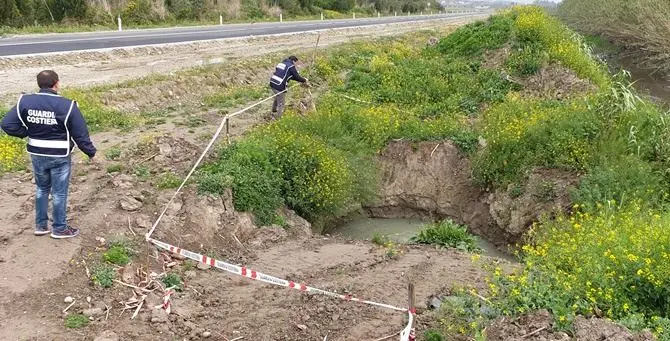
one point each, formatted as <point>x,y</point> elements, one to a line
<point>410,293</point>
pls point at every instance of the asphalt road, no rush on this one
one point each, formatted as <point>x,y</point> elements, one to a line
<point>54,43</point>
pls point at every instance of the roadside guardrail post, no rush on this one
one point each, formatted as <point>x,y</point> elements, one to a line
<point>321,15</point>
<point>281,18</point>
<point>118,20</point>
<point>220,19</point>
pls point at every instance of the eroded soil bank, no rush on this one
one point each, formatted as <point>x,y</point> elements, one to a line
<point>434,180</point>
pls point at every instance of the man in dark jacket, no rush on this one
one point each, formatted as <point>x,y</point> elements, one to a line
<point>284,72</point>
<point>53,125</point>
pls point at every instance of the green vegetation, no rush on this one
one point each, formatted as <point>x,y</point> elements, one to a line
<point>168,180</point>
<point>117,255</point>
<point>173,280</point>
<point>113,153</point>
<point>448,234</point>
<point>12,153</point>
<point>459,315</point>
<point>103,275</point>
<point>77,15</point>
<point>380,239</point>
<point>74,321</point>
<point>639,25</point>
<point>114,168</point>
<point>142,172</point>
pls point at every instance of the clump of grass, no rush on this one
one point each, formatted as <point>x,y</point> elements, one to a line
<point>448,234</point>
<point>74,321</point>
<point>103,275</point>
<point>117,255</point>
<point>168,180</point>
<point>143,172</point>
<point>115,168</point>
<point>113,153</point>
<point>380,239</point>
<point>173,280</point>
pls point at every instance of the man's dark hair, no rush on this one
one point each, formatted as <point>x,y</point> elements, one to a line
<point>293,58</point>
<point>47,79</point>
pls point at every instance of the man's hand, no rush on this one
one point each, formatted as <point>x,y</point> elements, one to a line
<point>93,162</point>
<point>307,84</point>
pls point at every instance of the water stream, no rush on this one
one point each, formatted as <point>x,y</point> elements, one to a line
<point>646,81</point>
<point>400,231</point>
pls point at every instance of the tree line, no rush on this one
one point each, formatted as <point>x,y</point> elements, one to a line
<point>19,13</point>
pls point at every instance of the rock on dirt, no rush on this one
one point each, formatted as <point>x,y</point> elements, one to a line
<point>130,204</point>
<point>143,222</point>
<point>93,312</point>
<point>69,299</point>
<point>203,266</point>
<point>123,181</point>
<point>206,334</point>
<point>107,335</point>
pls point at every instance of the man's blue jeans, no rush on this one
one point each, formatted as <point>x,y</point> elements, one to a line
<point>52,174</point>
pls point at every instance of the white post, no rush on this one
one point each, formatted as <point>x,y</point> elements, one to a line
<point>321,16</point>
<point>395,14</point>
<point>220,19</point>
<point>354,15</point>
<point>431,12</point>
<point>118,20</point>
<point>421,13</point>
<point>281,18</point>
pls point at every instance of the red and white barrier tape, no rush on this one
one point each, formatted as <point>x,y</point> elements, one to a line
<point>405,335</point>
<point>166,301</point>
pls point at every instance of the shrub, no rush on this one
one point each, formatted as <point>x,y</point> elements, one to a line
<point>12,153</point>
<point>449,234</point>
<point>255,180</point>
<point>474,39</point>
<point>522,134</point>
<point>614,261</point>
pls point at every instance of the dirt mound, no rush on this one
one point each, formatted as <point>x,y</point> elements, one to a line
<point>557,82</point>
<point>497,58</point>
<point>545,192</point>
<point>538,326</point>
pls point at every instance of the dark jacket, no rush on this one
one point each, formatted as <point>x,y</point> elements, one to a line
<point>52,123</point>
<point>284,72</point>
